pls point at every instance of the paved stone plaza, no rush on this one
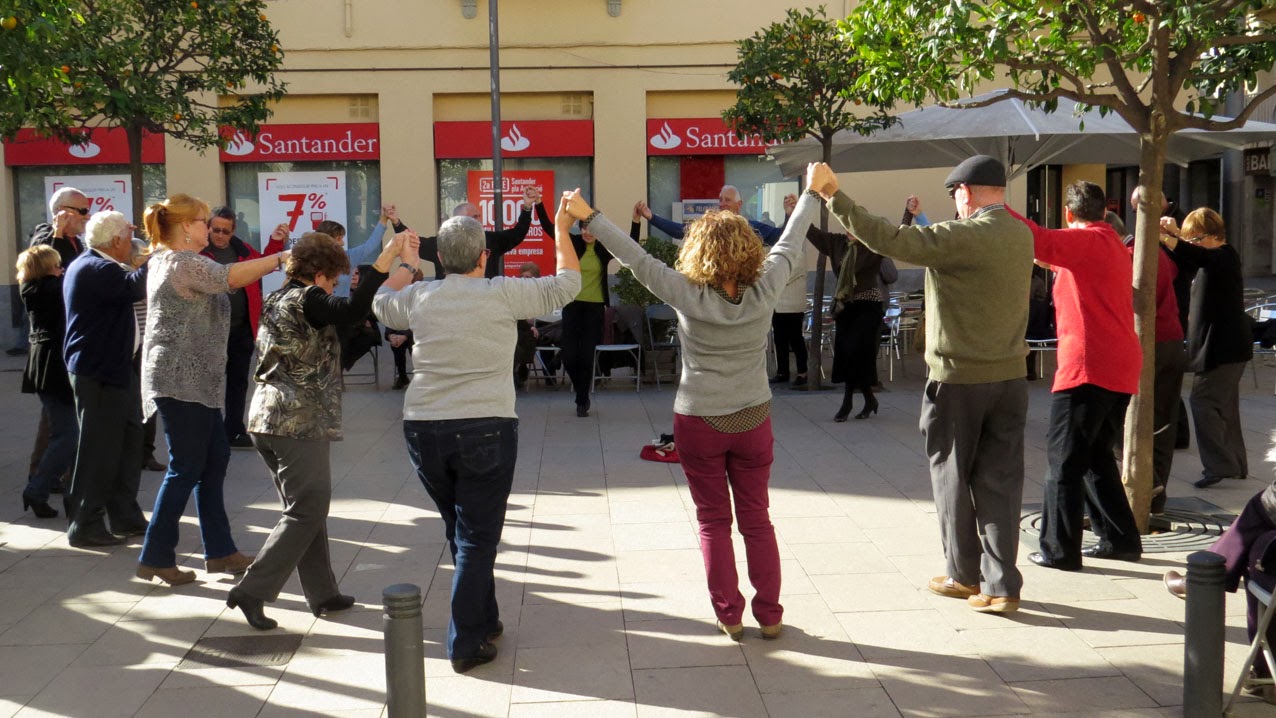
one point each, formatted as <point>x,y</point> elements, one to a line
<point>602,588</point>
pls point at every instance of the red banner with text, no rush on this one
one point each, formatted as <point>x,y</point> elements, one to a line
<point>537,247</point>
<point>698,136</point>
<point>304,143</point>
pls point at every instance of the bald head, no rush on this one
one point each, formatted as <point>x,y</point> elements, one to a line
<point>466,209</point>
<point>1137,194</point>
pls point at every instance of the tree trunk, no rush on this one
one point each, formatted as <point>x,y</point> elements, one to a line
<point>1139,420</point>
<point>134,133</point>
<point>815,371</point>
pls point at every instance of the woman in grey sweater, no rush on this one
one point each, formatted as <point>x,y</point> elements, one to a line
<point>724,288</point>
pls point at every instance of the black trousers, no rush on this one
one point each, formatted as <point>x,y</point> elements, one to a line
<point>856,343</point>
<point>401,355</point>
<point>1167,397</point>
<point>1085,422</point>
<point>786,327</point>
<point>582,331</point>
<point>107,471</point>
<point>239,354</point>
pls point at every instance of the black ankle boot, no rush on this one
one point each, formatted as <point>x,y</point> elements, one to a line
<point>252,608</point>
<point>870,405</point>
<point>339,602</point>
<point>41,509</point>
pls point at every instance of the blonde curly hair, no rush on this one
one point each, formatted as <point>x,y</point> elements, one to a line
<point>718,248</point>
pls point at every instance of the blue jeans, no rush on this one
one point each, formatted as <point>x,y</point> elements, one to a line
<point>467,467</point>
<point>59,455</point>
<point>198,454</point>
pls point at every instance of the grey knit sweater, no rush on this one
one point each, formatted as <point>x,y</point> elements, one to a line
<point>723,344</point>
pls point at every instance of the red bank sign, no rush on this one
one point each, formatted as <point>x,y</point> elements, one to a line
<point>304,143</point>
<point>703,136</point>
<point>519,138</point>
<point>106,146</point>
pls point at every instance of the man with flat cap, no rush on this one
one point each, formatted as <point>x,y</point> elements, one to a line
<point>978,270</point>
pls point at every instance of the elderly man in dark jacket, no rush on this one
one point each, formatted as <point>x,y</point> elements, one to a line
<point>101,337</point>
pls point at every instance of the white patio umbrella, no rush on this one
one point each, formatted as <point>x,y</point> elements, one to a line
<point>1021,136</point>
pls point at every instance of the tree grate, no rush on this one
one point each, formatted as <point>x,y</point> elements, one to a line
<point>240,652</point>
<point>1187,525</point>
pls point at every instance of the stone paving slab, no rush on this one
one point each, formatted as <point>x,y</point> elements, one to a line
<point>602,589</point>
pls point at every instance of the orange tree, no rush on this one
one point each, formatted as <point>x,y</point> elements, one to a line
<point>183,68</point>
<point>796,79</point>
<point>1160,66</point>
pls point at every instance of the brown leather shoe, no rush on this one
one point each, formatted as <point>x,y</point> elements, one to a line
<point>734,631</point>
<point>172,575</point>
<point>235,563</point>
<point>1176,584</point>
<point>773,632</point>
<point>950,587</point>
<point>993,604</point>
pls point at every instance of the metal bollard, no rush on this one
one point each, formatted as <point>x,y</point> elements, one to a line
<point>404,651</point>
<point>1203,637</point>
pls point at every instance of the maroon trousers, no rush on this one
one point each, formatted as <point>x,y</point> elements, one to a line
<point>721,467</point>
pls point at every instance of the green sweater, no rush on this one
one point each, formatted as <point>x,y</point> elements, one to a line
<point>978,272</point>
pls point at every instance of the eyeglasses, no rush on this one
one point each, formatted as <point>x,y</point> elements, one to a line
<point>952,190</point>
<point>221,230</point>
<point>83,211</point>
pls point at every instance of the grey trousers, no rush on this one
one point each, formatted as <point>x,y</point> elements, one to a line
<point>974,438</point>
<point>1216,411</point>
<point>300,539</point>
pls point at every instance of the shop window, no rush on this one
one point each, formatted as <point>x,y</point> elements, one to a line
<point>758,178</point>
<point>569,173</point>
<point>33,201</point>
<point>363,196</point>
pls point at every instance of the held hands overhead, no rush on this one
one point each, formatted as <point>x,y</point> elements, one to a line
<point>1170,232</point>
<point>531,197</point>
<point>642,210</point>
<point>821,179</point>
<point>280,233</point>
<point>913,204</point>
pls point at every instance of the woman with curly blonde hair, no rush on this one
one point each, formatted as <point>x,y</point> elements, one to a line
<point>724,287</point>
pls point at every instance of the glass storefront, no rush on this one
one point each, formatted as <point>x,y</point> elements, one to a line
<point>569,173</point>
<point>362,194</point>
<point>33,201</point>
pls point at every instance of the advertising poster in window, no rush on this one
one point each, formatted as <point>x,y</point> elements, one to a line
<point>537,247</point>
<point>106,193</point>
<point>301,200</point>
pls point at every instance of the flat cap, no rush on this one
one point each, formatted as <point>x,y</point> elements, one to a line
<point>978,170</point>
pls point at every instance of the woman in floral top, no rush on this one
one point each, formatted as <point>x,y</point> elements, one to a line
<point>184,379</point>
<point>296,414</point>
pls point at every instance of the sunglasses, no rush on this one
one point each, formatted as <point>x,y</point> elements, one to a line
<point>84,211</point>
<point>952,190</point>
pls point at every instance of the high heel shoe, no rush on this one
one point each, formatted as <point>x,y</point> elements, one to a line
<point>172,575</point>
<point>252,608</point>
<point>41,509</point>
<point>339,602</point>
<point>235,563</point>
<point>870,404</point>
<point>841,415</point>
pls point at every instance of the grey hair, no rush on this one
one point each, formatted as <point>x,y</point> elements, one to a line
<point>60,197</point>
<point>104,227</point>
<point>461,241</point>
<point>734,191</point>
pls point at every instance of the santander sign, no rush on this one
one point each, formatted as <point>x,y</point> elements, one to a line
<point>301,143</point>
<point>702,136</point>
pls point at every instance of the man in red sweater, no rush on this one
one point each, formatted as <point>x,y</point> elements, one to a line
<point>1099,363</point>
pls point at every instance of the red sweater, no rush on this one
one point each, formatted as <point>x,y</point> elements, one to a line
<point>1094,306</point>
<point>1168,326</point>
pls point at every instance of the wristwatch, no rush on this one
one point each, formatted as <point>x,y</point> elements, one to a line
<point>409,267</point>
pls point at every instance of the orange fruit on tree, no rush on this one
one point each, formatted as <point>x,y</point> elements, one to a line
<point>194,6</point>
<point>9,22</point>
<point>66,69</point>
<point>1139,18</point>
<point>177,117</point>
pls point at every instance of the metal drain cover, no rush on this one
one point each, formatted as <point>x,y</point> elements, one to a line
<point>1193,525</point>
<point>240,652</point>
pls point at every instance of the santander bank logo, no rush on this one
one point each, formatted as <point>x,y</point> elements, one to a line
<point>515,141</point>
<point>239,145</point>
<point>666,139</point>
<point>88,150</point>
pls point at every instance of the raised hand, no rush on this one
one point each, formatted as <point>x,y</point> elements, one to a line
<point>576,205</point>
<point>821,179</point>
<point>641,208</point>
<point>913,204</point>
<point>531,197</point>
<point>790,203</point>
<point>280,233</point>
<point>409,247</point>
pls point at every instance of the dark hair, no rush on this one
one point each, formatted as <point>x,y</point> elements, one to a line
<point>331,228</point>
<point>317,253</point>
<point>224,212</point>
<point>1087,201</point>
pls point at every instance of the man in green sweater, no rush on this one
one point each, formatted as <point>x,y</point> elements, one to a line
<point>978,269</point>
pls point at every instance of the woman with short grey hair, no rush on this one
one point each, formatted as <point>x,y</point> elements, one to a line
<point>458,411</point>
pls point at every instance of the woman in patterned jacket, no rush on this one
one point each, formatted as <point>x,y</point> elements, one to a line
<point>296,414</point>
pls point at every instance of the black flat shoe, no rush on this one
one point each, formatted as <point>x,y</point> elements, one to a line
<point>94,539</point>
<point>1042,561</point>
<point>779,379</point>
<point>41,509</point>
<point>1108,552</point>
<point>135,530</point>
<point>486,654</point>
<point>252,608</point>
<point>582,410</point>
<point>841,415</point>
<point>339,602</point>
